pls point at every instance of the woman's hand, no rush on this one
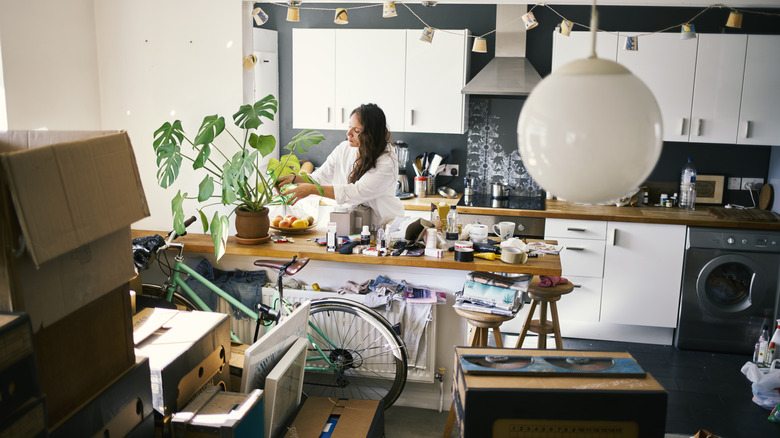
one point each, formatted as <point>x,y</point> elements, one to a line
<point>300,191</point>
<point>283,181</point>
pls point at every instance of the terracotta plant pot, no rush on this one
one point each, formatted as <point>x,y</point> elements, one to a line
<point>252,224</point>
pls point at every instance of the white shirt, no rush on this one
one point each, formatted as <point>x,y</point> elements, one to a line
<point>375,189</point>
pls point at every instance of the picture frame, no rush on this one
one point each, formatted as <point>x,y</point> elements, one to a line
<point>709,189</point>
<point>283,388</point>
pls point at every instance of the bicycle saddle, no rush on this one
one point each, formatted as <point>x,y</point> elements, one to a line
<point>292,269</point>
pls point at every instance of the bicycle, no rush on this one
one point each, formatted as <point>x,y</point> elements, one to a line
<point>354,352</point>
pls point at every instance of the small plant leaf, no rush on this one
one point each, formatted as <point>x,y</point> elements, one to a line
<point>219,234</point>
<point>167,147</point>
<point>211,127</point>
<point>304,140</point>
<point>250,116</point>
<point>203,157</point>
<point>206,188</point>
<point>177,207</point>
<point>204,220</point>
<point>264,144</point>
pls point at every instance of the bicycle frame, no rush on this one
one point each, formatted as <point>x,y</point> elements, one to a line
<point>176,282</point>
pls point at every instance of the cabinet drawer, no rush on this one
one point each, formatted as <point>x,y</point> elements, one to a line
<point>577,229</point>
<point>582,257</point>
<point>581,304</point>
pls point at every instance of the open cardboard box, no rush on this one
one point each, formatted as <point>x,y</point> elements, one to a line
<point>351,418</point>
<point>67,200</point>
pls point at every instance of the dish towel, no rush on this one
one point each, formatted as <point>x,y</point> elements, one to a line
<point>548,280</point>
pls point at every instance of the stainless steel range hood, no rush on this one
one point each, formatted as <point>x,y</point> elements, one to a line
<point>509,73</point>
<point>504,76</point>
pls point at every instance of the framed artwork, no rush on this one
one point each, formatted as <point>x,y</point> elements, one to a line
<point>283,388</point>
<point>709,189</point>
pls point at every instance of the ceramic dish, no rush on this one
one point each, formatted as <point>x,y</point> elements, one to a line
<point>292,230</point>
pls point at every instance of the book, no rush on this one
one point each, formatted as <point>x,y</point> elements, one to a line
<point>519,283</point>
<point>465,305</point>
<point>488,295</point>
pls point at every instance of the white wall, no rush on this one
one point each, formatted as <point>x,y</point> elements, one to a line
<point>50,64</point>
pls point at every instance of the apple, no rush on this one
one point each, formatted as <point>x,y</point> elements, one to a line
<point>284,223</point>
<point>275,221</point>
<point>310,220</point>
<point>300,223</point>
<point>291,217</point>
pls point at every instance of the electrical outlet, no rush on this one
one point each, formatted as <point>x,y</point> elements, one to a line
<point>735,183</point>
<point>450,170</point>
<point>751,183</point>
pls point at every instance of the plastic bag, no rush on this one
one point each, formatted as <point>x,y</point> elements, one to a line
<point>766,386</point>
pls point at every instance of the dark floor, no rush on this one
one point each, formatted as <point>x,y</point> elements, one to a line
<point>706,391</point>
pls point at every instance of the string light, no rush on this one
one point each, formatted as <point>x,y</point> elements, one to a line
<point>389,10</point>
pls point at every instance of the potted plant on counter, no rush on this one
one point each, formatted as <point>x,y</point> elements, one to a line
<point>231,169</point>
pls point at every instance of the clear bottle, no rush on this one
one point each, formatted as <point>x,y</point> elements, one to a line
<point>452,224</point>
<point>380,239</point>
<point>331,236</point>
<point>688,186</point>
<point>763,343</point>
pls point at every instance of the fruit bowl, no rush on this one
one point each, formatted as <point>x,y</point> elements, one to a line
<point>294,230</point>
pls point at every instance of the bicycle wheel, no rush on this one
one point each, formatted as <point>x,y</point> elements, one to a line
<point>153,295</point>
<point>369,357</point>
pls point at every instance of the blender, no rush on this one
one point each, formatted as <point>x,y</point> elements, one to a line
<point>403,158</point>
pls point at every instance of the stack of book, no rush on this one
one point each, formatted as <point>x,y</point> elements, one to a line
<point>492,293</point>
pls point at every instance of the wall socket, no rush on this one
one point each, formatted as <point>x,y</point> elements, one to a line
<point>450,170</point>
<point>751,183</point>
<point>735,183</point>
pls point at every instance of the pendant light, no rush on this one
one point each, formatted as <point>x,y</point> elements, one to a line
<point>591,131</point>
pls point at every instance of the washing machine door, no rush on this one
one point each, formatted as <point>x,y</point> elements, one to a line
<point>730,285</point>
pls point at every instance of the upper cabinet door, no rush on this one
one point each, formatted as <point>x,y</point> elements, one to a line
<point>370,65</point>
<point>718,88</point>
<point>666,64</point>
<point>577,46</point>
<point>435,74</point>
<point>314,72</point>
<point>760,111</point>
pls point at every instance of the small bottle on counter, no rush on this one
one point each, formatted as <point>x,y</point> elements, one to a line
<point>380,239</point>
<point>331,236</point>
<point>365,236</point>
<point>664,199</point>
<point>763,343</point>
<point>452,224</point>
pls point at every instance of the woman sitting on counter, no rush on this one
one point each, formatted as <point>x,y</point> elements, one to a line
<point>361,170</point>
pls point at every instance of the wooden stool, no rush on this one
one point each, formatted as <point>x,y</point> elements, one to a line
<point>482,322</point>
<point>542,326</point>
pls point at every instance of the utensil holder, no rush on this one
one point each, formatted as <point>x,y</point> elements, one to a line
<point>431,185</point>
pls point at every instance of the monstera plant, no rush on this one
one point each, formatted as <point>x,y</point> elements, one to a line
<point>230,165</point>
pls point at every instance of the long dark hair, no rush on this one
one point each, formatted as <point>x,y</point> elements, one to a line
<point>373,139</point>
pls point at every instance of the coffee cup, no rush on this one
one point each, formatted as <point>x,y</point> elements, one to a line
<point>478,233</point>
<point>504,230</point>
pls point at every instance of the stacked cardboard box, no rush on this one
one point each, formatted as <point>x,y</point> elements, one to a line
<point>67,200</point>
<point>22,406</point>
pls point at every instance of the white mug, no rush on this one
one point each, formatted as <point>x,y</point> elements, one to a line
<point>478,233</point>
<point>504,230</point>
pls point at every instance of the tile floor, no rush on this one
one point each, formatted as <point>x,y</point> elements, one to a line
<point>706,391</point>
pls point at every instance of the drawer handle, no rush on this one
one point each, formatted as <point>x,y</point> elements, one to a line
<point>577,285</point>
<point>575,248</point>
<point>575,229</point>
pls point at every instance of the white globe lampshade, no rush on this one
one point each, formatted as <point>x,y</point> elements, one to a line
<point>590,132</point>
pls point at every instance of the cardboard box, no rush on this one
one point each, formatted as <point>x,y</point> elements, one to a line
<point>67,200</point>
<point>18,372</point>
<point>237,350</point>
<point>83,352</point>
<point>221,414</point>
<point>29,421</point>
<point>501,404</point>
<point>116,411</point>
<point>355,418</point>
<point>187,351</point>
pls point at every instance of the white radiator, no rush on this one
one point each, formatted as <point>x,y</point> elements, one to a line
<point>422,372</point>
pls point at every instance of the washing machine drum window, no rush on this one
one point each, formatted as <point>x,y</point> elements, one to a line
<point>730,284</point>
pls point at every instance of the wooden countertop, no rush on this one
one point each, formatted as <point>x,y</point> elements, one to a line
<point>201,243</point>
<point>567,210</point>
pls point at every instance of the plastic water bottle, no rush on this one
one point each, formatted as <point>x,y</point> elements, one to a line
<point>688,186</point>
<point>452,224</point>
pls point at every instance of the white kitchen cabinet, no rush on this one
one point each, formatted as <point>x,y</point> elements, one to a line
<point>717,88</point>
<point>666,64</point>
<point>577,46</point>
<point>435,74</point>
<point>760,109</point>
<point>416,84</point>
<point>642,274</point>
<point>336,70</point>
<point>582,263</point>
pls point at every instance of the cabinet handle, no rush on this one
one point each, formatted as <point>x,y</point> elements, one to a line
<point>746,129</point>
<point>342,114</point>
<point>612,239</point>
<point>698,127</point>
<point>682,125</point>
<point>328,120</point>
<point>575,248</point>
<point>411,117</point>
<point>575,229</point>
<point>577,285</point>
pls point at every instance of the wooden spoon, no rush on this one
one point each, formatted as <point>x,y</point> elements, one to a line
<point>765,197</point>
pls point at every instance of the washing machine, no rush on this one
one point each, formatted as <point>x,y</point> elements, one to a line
<point>730,286</point>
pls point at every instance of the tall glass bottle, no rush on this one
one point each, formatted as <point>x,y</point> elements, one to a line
<point>688,186</point>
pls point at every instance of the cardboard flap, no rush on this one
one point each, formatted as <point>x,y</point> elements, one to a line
<point>69,195</point>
